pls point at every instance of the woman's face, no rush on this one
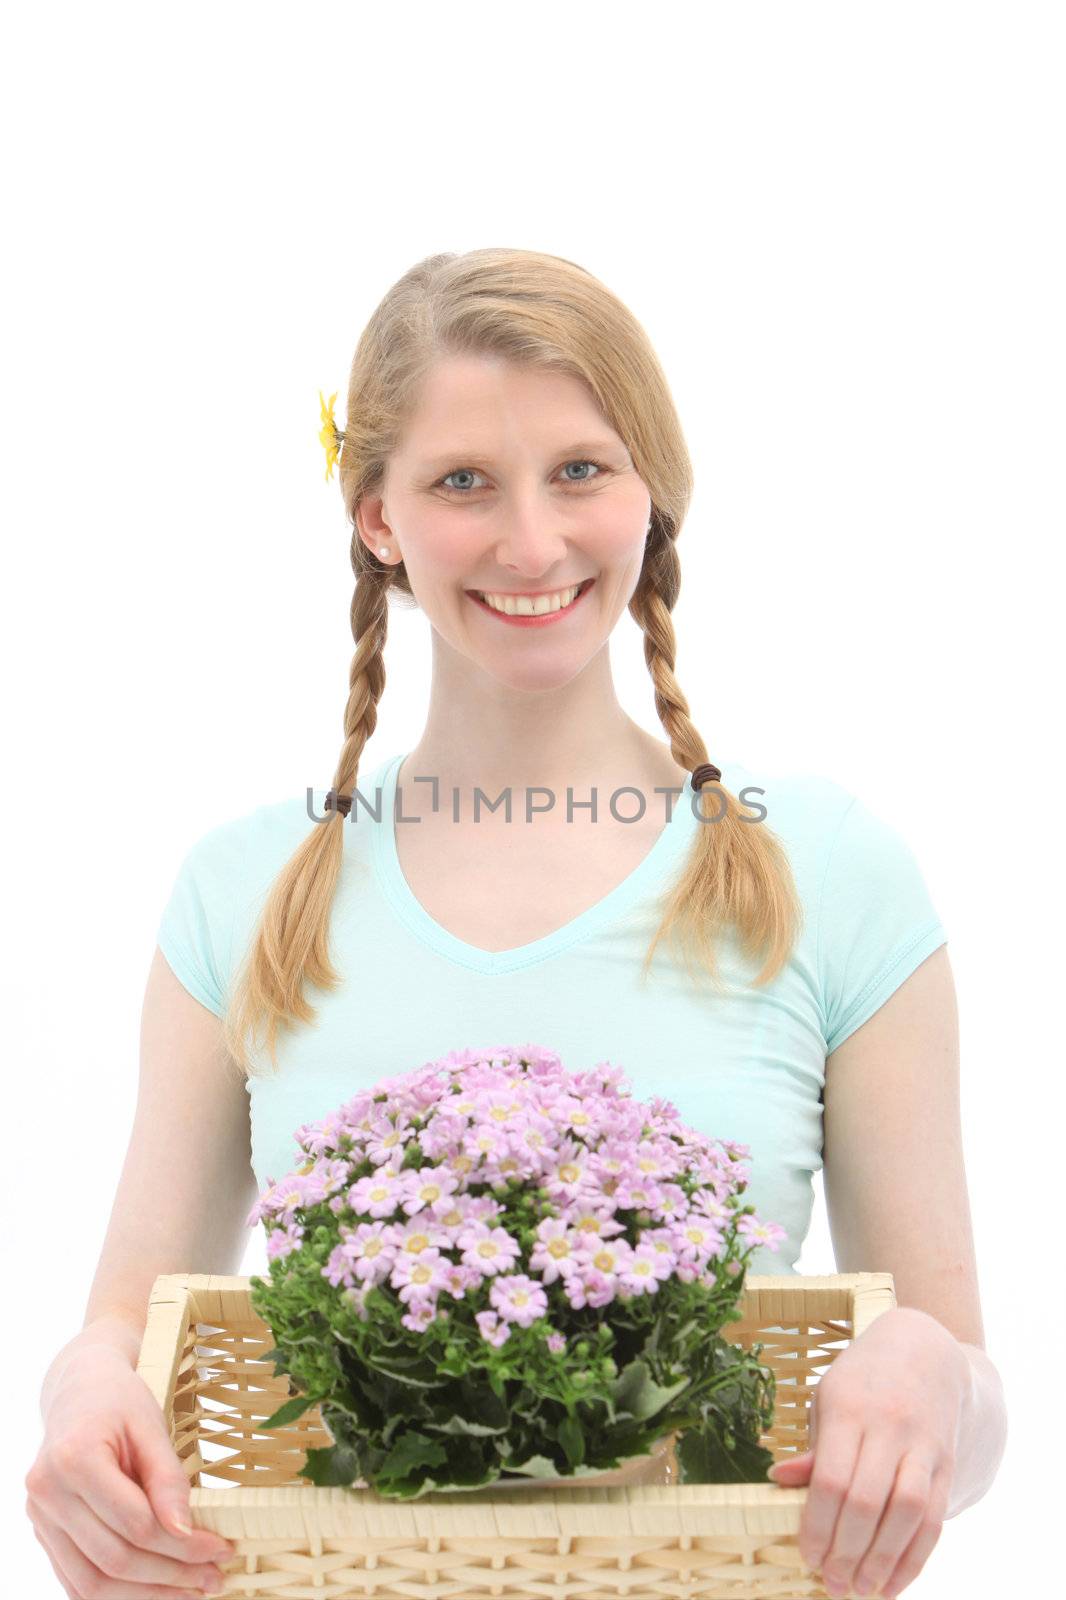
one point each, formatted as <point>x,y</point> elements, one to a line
<point>507,482</point>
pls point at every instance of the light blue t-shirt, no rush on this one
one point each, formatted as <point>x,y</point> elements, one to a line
<point>748,1065</point>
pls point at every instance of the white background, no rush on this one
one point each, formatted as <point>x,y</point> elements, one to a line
<point>842,226</point>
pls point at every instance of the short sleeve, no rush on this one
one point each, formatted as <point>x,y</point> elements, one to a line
<point>876,921</point>
<point>195,932</point>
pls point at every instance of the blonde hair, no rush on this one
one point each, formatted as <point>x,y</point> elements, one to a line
<point>537,309</point>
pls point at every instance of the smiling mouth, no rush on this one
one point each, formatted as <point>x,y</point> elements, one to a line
<point>524,605</point>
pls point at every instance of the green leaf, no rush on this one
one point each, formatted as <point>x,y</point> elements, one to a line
<point>572,1439</point>
<point>457,1481</point>
<point>479,1400</point>
<point>412,1449</point>
<point>414,1372</point>
<point>290,1411</point>
<point>456,1424</point>
<point>636,1394</point>
<point>336,1467</point>
<point>534,1467</point>
<point>703,1458</point>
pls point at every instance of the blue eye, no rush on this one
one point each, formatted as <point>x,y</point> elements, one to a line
<point>469,472</point>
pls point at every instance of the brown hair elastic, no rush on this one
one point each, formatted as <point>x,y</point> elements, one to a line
<point>706,773</point>
<point>338,802</point>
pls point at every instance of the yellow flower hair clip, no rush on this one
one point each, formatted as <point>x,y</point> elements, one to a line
<point>330,437</point>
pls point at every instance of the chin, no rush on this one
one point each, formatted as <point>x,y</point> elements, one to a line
<point>550,675</point>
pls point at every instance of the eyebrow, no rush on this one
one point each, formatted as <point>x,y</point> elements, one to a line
<point>474,457</point>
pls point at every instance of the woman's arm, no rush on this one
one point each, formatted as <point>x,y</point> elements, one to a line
<point>909,1421</point>
<point>186,1185</point>
<point>983,1435</point>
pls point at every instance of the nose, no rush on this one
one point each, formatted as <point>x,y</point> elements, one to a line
<point>532,540</point>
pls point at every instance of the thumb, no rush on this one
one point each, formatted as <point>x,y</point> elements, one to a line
<point>792,1469</point>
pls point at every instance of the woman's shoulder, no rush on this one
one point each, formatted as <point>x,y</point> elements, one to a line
<point>269,832</point>
<point>262,837</point>
<point>831,832</point>
<point>799,806</point>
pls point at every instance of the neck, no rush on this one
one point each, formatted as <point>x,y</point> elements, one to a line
<point>482,733</point>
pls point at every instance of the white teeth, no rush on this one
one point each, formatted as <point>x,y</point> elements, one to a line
<point>527,606</point>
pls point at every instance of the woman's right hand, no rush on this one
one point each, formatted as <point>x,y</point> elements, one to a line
<point>107,1489</point>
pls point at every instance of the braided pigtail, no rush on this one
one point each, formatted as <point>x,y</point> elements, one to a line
<point>737,875</point>
<point>290,947</point>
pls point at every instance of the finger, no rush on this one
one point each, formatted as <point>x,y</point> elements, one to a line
<point>117,1503</point>
<point>866,1501</point>
<point>79,1575</point>
<point>157,1473</point>
<point>834,1468</point>
<point>918,1551</point>
<point>902,1519</point>
<point>102,1549</point>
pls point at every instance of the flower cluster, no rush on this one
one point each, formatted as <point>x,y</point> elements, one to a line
<point>624,1195</point>
<point>491,1265</point>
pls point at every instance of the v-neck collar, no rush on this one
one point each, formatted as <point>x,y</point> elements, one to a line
<point>664,855</point>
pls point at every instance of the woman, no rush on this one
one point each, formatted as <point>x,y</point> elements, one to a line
<point>513,464</point>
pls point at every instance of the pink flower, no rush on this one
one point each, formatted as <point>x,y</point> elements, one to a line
<point>634,1193</point>
<point>609,1257</point>
<point>769,1234</point>
<point>492,1329</point>
<point>570,1172</point>
<point>588,1288</point>
<point>696,1236</point>
<point>418,1277</point>
<point>648,1267</point>
<point>412,1237</point>
<point>338,1268</point>
<point>371,1249</point>
<point>595,1223</point>
<point>488,1250</point>
<point>318,1137</point>
<point>377,1196</point>
<point>458,1279</point>
<point>420,1315</point>
<point>485,1142</point>
<point>427,1186</point>
<point>482,1207</point>
<point>282,1241</point>
<point>356,1298</point>
<point>706,1202</point>
<point>518,1299</point>
<point>672,1204</point>
<point>553,1254</point>
<point>386,1138</point>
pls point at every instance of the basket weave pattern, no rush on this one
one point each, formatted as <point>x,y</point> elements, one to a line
<point>201,1356</point>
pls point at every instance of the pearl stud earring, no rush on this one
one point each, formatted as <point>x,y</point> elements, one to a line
<point>383,551</point>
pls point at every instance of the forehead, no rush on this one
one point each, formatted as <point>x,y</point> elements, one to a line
<point>487,404</point>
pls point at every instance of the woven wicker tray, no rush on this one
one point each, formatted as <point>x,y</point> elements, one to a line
<point>201,1356</point>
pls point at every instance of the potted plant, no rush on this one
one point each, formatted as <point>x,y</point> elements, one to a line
<point>494,1271</point>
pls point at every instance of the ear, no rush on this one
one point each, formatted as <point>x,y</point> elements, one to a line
<point>370,523</point>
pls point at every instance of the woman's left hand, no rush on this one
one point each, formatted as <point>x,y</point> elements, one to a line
<point>882,1461</point>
